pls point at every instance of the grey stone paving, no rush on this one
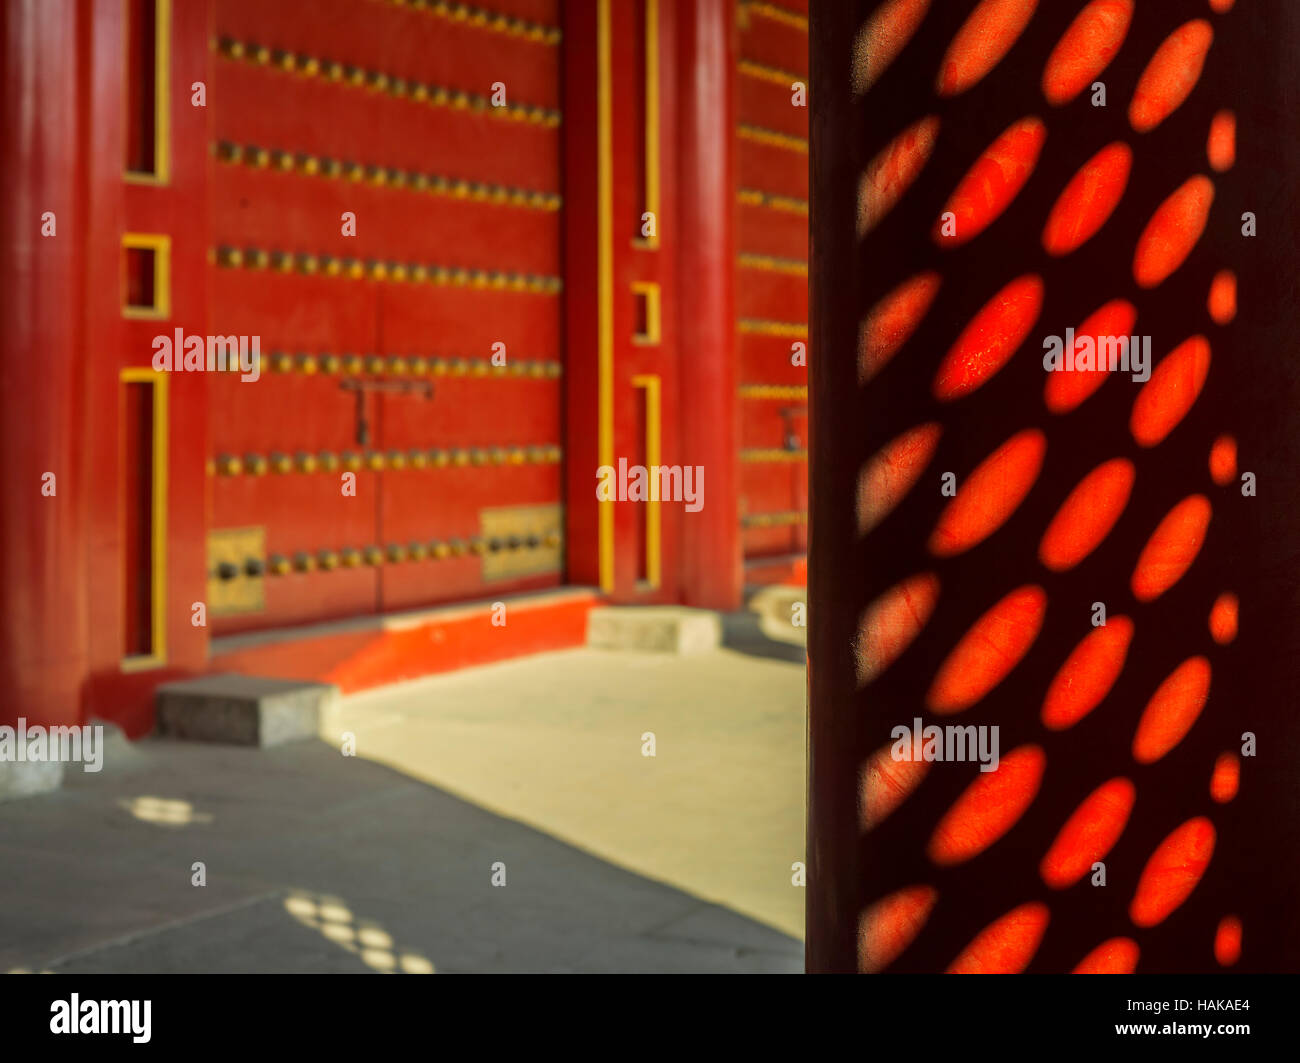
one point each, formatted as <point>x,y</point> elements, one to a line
<point>320,863</point>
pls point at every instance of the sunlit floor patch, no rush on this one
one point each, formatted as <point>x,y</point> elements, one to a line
<point>164,811</point>
<point>364,938</point>
<point>718,812</point>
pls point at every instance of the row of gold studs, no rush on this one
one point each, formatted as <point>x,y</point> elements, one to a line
<point>773,455</point>
<point>396,553</point>
<point>771,264</point>
<point>773,391</point>
<point>773,74</point>
<point>493,21</point>
<point>378,81</point>
<point>385,176</point>
<point>378,460</point>
<point>754,327</point>
<point>397,272</point>
<point>753,197</point>
<point>775,12</point>
<point>774,520</point>
<point>396,365</point>
<point>772,138</point>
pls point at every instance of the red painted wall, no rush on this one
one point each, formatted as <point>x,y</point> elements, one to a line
<point>471,228</point>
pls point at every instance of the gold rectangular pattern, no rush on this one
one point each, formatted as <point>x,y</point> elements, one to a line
<point>241,593</point>
<point>519,523</point>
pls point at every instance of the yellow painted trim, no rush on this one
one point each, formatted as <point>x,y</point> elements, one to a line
<point>651,119</point>
<point>789,329</point>
<point>653,314</point>
<point>773,391</point>
<point>774,74</point>
<point>760,455</point>
<point>605,287</point>
<point>752,197</point>
<point>771,264</point>
<point>158,522</point>
<point>653,441</point>
<point>162,140</point>
<point>776,13</point>
<point>161,245</point>
<point>772,138</point>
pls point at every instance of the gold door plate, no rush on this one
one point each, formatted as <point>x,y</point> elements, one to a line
<point>244,591</point>
<point>520,523</point>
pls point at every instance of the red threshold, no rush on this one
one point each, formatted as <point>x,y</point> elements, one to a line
<point>788,569</point>
<point>372,651</point>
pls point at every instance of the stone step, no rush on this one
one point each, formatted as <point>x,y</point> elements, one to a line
<point>777,602</point>
<point>243,710</point>
<point>26,779</point>
<point>653,628</point>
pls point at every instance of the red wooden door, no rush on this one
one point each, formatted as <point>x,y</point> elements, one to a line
<point>386,209</point>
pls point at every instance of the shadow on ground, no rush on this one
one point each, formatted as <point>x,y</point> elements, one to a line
<point>319,863</point>
<point>765,628</point>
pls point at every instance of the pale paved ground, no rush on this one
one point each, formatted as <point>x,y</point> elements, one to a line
<point>317,862</point>
<point>556,742</point>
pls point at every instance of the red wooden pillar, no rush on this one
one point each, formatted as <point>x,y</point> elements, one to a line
<point>834,870</point>
<point>692,264</point>
<point>586,103</point>
<point>712,572</point>
<point>174,205</point>
<point>42,549</point>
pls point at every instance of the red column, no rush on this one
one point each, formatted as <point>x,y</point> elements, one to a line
<point>42,552</point>
<point>712,573</point>
<point>581,298</point>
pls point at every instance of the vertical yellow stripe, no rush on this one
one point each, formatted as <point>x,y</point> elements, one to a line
<point>605,286</point>
<point>162,92</point>
<point>157,656</point>
<point>653,439</point>
<point>160,441</point>
<point>162,140</point>
<point>652,115</point>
